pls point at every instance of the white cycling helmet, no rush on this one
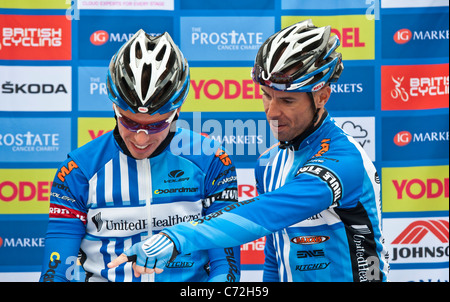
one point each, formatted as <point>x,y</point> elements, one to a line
<point>304,48</point>
<point>148,74</point>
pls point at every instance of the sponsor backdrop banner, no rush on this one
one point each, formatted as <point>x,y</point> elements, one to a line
<point>393,98</point>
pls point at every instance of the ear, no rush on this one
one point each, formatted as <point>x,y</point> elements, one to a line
<point>321,97</point>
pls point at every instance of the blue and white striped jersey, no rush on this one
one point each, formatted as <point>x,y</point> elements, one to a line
<point>318,205</point>
<point>103,201</point>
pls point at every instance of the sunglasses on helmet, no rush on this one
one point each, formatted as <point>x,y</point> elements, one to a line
<point>152,128</point>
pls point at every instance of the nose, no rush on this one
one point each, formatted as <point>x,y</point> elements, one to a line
<point>272,110</point>
<point>141,136</point>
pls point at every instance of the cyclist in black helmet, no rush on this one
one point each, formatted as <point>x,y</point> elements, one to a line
<point>128,184</point>
<point>319,193</point>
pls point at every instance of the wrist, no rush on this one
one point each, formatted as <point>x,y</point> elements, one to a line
<point>175,249</point>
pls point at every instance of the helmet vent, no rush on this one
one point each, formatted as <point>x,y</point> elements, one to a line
<point>145,80</point>
<point>150,46</point>
<point>161,53</point>
<point>138,51</point>
<point>288,32</point>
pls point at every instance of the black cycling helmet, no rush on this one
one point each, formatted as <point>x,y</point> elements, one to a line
<point>303,47</point>
<point>148,74</point>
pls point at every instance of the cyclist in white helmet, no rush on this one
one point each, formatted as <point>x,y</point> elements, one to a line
<point>127,185</point>
<point>319,193</point>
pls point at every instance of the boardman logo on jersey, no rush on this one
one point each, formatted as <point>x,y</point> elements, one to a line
<point>224,38</point>
<point>101,36</point>
<point>415,36</point>
<point>35,37</point>
<point>175,190</point>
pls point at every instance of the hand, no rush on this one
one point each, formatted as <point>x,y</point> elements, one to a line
<point>149,256</point>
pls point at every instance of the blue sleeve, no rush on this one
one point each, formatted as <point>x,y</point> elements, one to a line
<point>60,259</point>
<point>66,227</point>
<point>251,219</point>
<point>225,264</point>
<point>270,273</point>
<point>221,191</point>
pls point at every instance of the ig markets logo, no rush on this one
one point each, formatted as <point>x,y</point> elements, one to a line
<point>99,37</point>
<point>402,36</point>
<point>402,138</point>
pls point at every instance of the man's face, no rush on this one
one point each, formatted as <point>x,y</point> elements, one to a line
<point>140,144</point>
<point>289,113</point>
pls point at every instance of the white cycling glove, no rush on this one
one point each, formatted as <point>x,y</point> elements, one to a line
<point>152,253</point>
